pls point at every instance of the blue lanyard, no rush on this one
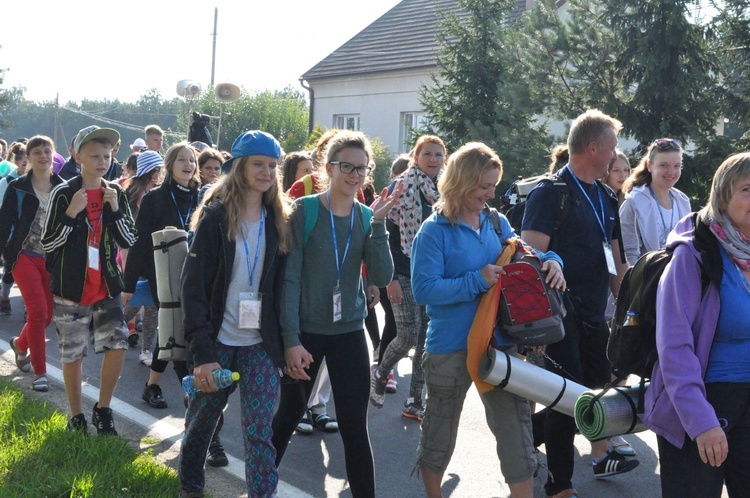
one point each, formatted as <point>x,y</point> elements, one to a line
<point>335,241</point>
<point>671,214</point>
<point>250,270</point>
<point>186,219</point>
<point>601,203</point>
<point>91,228</point>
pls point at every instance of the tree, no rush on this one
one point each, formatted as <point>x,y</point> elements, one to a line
<point>479,93</point>
<point>282,113</point>
<point>4,100</point>
<point>643,61</point>
<point>731,45</point>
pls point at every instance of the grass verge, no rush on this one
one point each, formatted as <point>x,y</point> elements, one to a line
<point>39,458</point>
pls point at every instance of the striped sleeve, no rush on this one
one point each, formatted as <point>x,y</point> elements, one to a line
<point>58,226</point>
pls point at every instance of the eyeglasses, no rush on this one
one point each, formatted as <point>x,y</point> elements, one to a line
<point>667,144</point>
<point>347,168</point>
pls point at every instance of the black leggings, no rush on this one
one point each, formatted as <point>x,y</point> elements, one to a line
<point>347,358</point>
<point>389,328</point>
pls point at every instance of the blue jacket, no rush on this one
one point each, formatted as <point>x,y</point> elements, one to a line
<point>445,269</point>
<point>685,327</point>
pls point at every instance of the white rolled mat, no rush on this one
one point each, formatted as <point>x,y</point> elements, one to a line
<point>530,381</point>
<point>170,251</point>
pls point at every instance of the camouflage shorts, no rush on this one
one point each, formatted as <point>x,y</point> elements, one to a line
<point>77,324</point>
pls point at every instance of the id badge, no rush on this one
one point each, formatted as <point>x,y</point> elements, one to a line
<point>610,258</point>
<point>94,258</point>
<point>336,304</point>
<point>250,306</point>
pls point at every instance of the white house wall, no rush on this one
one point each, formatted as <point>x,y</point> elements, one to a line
<point>378,99</point>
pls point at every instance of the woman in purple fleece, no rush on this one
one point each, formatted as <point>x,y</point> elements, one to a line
<point>699,400</point>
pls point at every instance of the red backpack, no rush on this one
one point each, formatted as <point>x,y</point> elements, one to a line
<point>531,312</point>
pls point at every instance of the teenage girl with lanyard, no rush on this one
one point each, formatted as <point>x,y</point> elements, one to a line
<point>325,302</point>
<point>231,286</point>
<point>170,204</point>
<point>652,205</point>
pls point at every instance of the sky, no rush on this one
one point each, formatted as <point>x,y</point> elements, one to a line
<point>99,49</point>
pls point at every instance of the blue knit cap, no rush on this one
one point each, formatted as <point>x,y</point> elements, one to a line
<point>253,143</point>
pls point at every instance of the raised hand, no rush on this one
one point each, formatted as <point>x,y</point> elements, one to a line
<point>384,203</point>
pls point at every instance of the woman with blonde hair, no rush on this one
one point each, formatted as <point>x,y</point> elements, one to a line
<point>169,204</point>
<point>618,173</point>
<point>231,292</point>
<point>454,264</point>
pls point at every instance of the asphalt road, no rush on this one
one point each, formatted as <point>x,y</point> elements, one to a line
<point>313,465</point>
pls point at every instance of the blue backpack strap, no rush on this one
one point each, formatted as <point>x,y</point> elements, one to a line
<point>310,202</point>
<point>20,194</point>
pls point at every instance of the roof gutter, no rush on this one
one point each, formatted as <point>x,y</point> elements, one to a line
<point>311,118</point>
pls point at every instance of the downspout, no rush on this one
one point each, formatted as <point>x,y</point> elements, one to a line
<point>311,118</point>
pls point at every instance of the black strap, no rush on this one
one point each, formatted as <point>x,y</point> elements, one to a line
<point>504,383</point>
<point>163,246</point>
<point>169,306</point>
<point>560,394</point>
<point>172,344</point>
<point>634,419</point>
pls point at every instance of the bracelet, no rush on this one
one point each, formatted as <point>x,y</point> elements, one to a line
<point>378,220</point>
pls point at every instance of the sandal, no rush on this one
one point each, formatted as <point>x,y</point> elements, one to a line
<point>305,425</point>
<point>23,362</point>
<point>40,383</point>
<point>325,423</point>
<point>619,445</point>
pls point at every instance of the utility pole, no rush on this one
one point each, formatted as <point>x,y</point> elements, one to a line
<point>213,55</point>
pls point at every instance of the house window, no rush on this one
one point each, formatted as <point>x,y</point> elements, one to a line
<point>347,121</point>
<point>409,121</point>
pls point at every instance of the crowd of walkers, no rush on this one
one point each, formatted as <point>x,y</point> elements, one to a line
<point>291,252</point>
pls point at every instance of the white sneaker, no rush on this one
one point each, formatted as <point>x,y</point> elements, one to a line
<point>146,358</point>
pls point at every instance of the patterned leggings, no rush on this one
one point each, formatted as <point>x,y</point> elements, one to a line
<point>150,323</point>
<point>411,332</point>
<point>259,388</point>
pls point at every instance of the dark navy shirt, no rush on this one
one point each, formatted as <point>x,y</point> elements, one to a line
<point>579,240</point>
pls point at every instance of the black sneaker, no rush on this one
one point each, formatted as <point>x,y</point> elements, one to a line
<point>614,464</point>
<point>152,396</point>
<point>5,308</point>
<point>377,389</point>
<point>103,421</point>
<point>78,423</point>
<point>216,455</point>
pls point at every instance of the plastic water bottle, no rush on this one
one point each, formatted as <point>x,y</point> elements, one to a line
<point>222,378</point>
<point>631,318</point>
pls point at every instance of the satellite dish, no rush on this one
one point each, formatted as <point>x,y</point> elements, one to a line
<point>188,88</point>
<point>227,92</point>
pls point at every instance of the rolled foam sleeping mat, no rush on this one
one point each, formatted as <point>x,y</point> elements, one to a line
<point>530,381</point>
<point>613,414</point>
<point>170,251</point>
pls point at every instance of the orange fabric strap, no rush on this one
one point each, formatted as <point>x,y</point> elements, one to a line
<point>484,321</point>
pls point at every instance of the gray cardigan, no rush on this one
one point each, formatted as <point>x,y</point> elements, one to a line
<point>310,275</point>
<point>640,220</point>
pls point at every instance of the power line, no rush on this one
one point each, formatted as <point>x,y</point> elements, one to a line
<point>114,122</point>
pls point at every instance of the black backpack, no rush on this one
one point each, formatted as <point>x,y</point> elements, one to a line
<point>631,349</point>
<point>515,199</point>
